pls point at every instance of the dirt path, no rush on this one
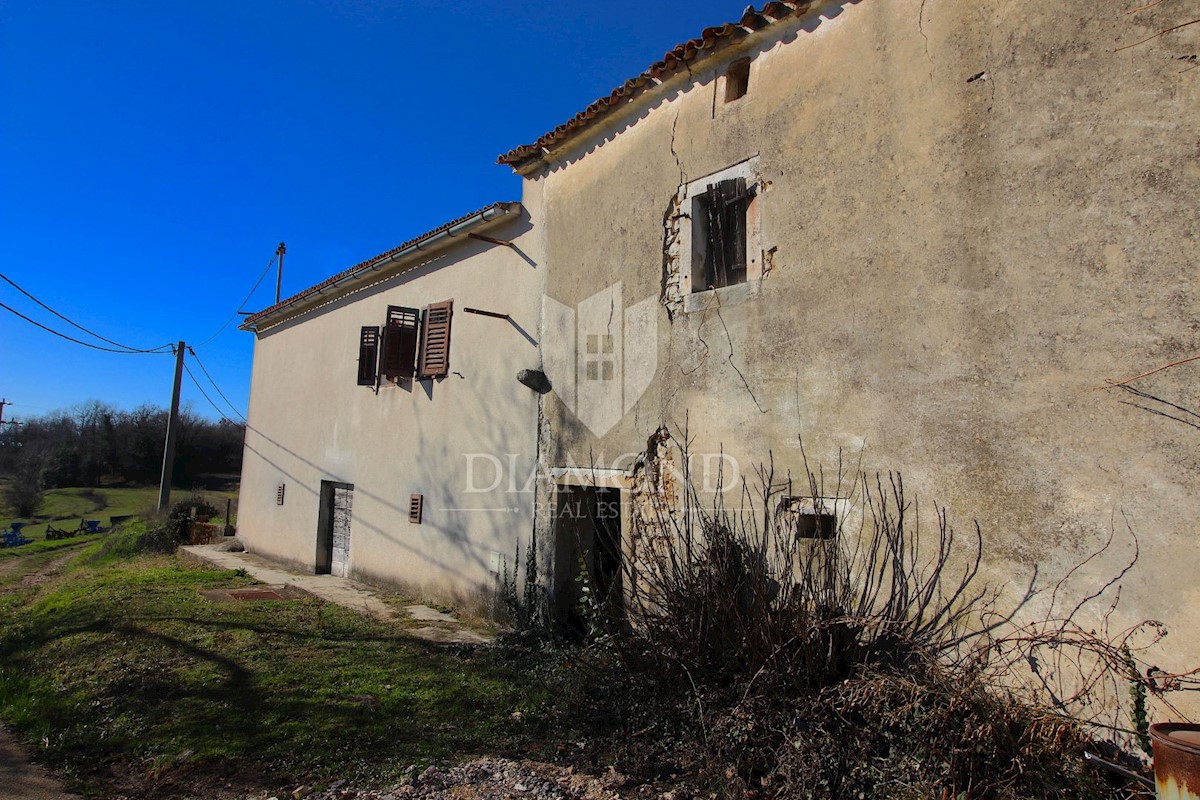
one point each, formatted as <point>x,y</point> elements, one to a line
<point>40,576</point>
<point>21,779</point>
<point>43,571</point>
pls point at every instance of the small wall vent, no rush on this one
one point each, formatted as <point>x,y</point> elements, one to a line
<point>416,504</point>
<point>279,490</point>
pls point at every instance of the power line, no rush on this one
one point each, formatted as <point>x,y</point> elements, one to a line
<point>196,383</point>
<point>79,341</point>
<point>241,305</point>
<point>157,350</point>
<point>200,364</point>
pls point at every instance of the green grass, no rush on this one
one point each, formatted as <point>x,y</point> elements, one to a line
<point>63,508</point>
<point>130,681</point>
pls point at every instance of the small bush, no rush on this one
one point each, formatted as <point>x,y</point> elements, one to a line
<point>525,608</point>
<point>23,493</point>
<point>132,539</point>
<point>183,512</point>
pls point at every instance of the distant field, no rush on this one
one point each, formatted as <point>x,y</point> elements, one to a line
<point>64,508</point>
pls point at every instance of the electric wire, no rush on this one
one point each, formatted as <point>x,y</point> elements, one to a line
<point>240,305</point>
<point>200,364</point>
<point>79,341</point>
<point>160,350</point>
<point>200,388</point>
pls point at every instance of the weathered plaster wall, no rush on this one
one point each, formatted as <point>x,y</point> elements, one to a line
<point>981,213</point>
<point>309,422</point>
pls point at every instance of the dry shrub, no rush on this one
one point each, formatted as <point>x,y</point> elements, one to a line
<point>859,662</point>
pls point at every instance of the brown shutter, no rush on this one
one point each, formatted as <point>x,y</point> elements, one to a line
<point>737,201</point>
<point>398,358</point>
<point>368,354</point>
<point>714,271</point>
<point>435,340</point>
<point>727,203</point>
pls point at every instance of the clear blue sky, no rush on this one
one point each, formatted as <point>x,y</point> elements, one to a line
<point>152,156</point>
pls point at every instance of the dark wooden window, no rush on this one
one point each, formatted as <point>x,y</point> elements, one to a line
<point>722,211</point>
<point>398,355</point>
<point>435,340</point>
<point>416,504</point>
<point>368,355</point>
<point>737,79</point>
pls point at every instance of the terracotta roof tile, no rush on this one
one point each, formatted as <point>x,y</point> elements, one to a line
<point>678,57</point>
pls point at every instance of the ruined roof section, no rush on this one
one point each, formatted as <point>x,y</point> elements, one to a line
<point>370,262</point>
<point>680,57</point>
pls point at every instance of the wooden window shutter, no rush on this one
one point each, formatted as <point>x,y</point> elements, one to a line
<point>737,200</point>
<point>368,354</point>
<point>715,255</point>
<point>435,340</point>
<point>727,203</point>
<point>398,357</point>
<point>416,504</point>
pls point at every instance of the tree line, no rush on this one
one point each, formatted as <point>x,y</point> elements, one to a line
<point>94,443</point>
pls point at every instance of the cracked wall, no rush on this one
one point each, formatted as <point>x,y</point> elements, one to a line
<point>978,213</point>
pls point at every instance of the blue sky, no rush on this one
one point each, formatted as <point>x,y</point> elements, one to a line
<point>152,156</point>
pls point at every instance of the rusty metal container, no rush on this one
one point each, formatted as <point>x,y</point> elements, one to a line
<point>201,533</point>
<point>1176,760</point>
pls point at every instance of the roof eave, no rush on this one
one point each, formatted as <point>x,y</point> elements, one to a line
<point>409,255</point>
<point>528,157</point>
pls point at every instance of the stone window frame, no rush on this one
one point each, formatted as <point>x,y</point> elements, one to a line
<point>689,248</point>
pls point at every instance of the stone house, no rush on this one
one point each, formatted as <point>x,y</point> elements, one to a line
<point>918,235</point>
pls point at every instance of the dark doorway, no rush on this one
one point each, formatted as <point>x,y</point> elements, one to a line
<point>587,554</point>
<point>333,528</point>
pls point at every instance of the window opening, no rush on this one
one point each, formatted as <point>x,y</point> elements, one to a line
<point>810,519</point>
<point>737,79</point>
<point>398,355</point>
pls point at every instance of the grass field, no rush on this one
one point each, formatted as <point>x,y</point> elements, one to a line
<point>64,508</point>
<point>128,680</point>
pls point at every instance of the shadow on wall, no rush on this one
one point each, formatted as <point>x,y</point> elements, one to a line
<point>444,524</point>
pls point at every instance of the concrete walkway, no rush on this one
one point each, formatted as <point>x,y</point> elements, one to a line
<point>22,780</point>
<point>442,628</point>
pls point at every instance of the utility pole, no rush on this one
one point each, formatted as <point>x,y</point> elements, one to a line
<point>279,251</point>
<point>12,424</point>
<point>164,484</point>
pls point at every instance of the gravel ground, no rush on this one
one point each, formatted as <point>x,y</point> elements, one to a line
<point>488,779</point>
